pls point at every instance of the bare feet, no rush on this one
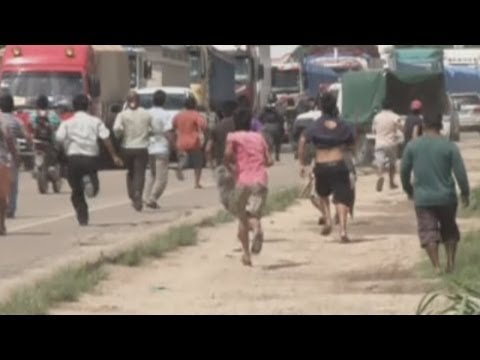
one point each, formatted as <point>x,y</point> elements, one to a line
<point>327,230</point>
<point>246,260</point>
<point>344,239</point>
<point>393,186</point>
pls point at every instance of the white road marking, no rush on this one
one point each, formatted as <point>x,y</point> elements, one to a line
<point>92,210</point>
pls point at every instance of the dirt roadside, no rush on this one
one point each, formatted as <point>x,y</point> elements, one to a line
<point>299,272</point>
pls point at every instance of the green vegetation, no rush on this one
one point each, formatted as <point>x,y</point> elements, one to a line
<point>462,288</point>
<point>66,285</point>
<point>474,208</point>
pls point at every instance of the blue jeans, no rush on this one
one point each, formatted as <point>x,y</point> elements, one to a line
<point>12,199</point>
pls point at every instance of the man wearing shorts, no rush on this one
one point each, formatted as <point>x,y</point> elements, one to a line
<point>433,159</point>
<point>190,129</point>
<point>386,127</point>
<point>247,157</point>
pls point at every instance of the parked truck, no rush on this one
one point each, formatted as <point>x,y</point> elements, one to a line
<point>63,71</point>
<point>212,77</point>
<point>363,94</point>
<point>250,80</point>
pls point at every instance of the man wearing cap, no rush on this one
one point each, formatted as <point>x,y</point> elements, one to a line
<point>414,122</point>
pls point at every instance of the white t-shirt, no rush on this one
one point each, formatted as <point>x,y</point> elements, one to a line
<point>80,134</point>
<point>386,126</point>
<point>161,124</point>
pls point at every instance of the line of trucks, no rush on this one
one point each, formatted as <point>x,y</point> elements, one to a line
<point>365,79</point>
<point>361,75</point>
<point>106,73</point>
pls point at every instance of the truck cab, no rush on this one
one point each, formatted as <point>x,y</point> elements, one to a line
<point>61,72</point>
<point>249,71</point>
<point>212,78</point>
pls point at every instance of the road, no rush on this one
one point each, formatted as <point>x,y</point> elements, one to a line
<point>46,229</point>
<point>299,271</point>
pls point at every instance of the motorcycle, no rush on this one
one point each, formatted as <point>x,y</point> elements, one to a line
<point>47,168</point>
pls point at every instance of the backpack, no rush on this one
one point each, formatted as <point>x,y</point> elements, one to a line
<point>43,128</point>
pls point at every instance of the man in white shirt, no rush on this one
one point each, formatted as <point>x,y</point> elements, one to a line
<point>386,127</point>
<point>134,126</point>
<point>80,135</point>
<point>158,151</point>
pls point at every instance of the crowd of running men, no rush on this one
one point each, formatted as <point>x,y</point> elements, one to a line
<point>239,149</point>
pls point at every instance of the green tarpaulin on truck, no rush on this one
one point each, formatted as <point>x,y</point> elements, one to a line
<point>365,92</point>
<point>362,94</point>
<point>414,60</point>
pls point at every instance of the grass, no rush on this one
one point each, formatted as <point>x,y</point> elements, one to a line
<point>68,284</point>
<point>221,217</point>
<point>65,286</point>
<point>157,246</point>
<point>277,202</point>
<point>474,208</point>
<point>282,200</point>
<point>462,288</point>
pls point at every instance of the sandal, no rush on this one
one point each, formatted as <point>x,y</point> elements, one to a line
<point>257,243</point>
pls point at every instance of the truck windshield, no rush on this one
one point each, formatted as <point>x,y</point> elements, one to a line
<point>242,70</point>
<point>285,81</point>
<point>30,85</point>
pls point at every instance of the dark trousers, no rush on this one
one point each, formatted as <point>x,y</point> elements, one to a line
<point>136,161</point>
<point>79,167</point>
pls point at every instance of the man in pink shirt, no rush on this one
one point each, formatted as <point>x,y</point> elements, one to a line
<point>247,157</point>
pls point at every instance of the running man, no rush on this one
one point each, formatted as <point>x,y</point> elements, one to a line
<point>80,135</point>
<point>332,138</point>
<point>386,127</point>
<point>247,157</point>
<point>190,129</point>
<point>8,152</point>
<point>18,131</point>
<point>433,159</point>
<point>159,151</point>
<point>134,126</point>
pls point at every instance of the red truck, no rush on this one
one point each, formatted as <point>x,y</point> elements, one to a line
<point>62,71</point>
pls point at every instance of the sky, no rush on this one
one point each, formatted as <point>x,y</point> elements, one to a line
<point>280,50</point>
